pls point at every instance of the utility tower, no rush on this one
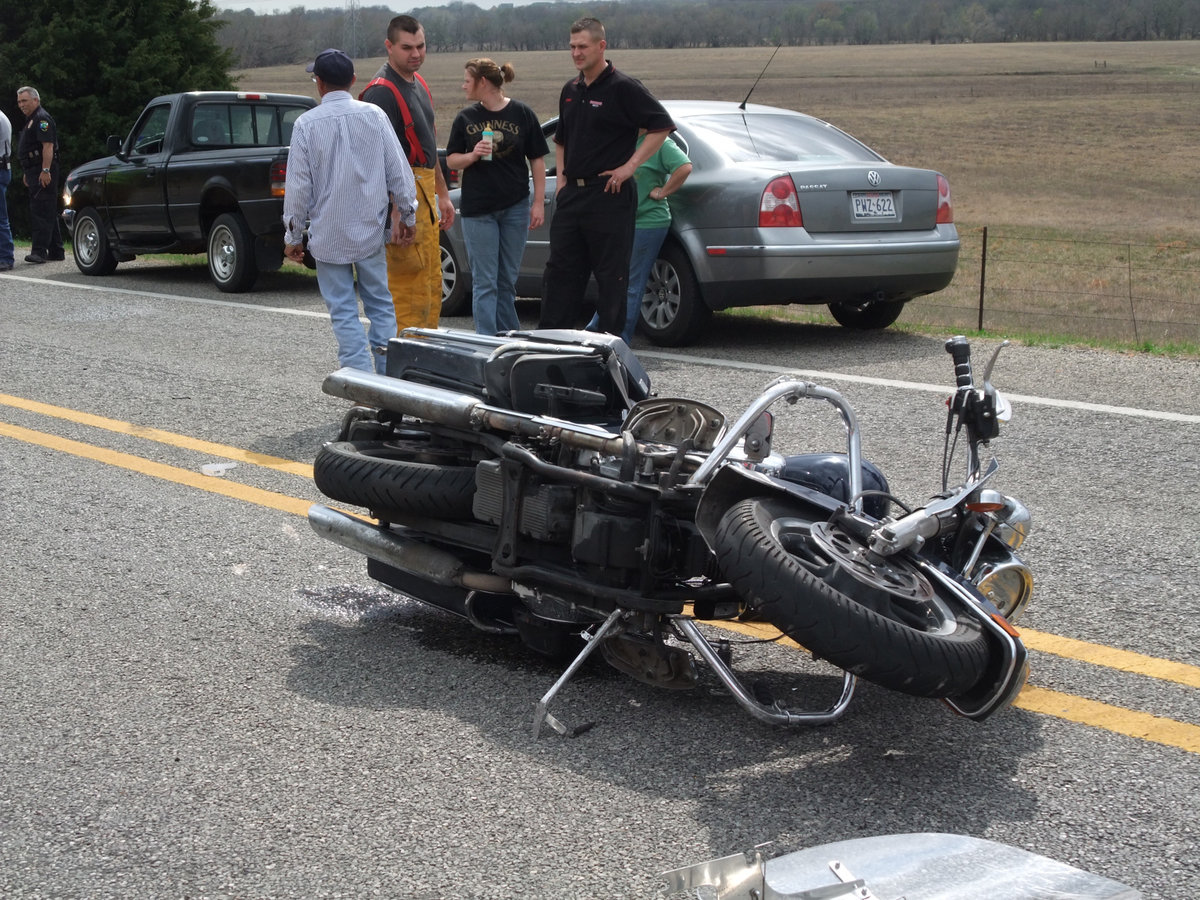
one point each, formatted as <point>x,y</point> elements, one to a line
<point>351,34</point>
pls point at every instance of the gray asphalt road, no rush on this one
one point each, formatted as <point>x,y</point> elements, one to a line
<point>206,700</point>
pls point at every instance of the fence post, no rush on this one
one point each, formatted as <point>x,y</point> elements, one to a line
<point>1129,277</point>
<point>982,275</point>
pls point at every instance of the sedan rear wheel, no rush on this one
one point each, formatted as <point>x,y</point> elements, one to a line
<point>867,316</point>
<point>456,297</point>
<point>673,314</point>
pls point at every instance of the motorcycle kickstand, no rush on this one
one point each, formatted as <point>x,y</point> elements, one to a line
<point>775,714</point>
<point>541,714</point>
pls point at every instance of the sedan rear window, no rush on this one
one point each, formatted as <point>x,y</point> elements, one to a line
<point>741,138</point>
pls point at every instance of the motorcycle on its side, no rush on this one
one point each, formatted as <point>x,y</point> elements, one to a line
<point>532,484</point>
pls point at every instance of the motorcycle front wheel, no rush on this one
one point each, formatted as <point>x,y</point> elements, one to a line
<point>399,476</point>
<point>880,619</point>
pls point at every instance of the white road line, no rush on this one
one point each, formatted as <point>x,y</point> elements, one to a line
<point>814,374</point>
<point>158,295</point>
<point>818,375</point>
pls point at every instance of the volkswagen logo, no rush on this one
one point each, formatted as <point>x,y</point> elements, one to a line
<point>873,178</point>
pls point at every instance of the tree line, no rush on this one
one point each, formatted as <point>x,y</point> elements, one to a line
<point>263,40</point>
<point>97,62</point>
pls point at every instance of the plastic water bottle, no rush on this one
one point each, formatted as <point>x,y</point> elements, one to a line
<point>487,136</point>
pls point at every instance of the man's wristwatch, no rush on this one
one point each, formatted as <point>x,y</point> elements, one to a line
<point>46,171</point>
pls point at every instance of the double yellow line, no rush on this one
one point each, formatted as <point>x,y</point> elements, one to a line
<point>1131,723</point>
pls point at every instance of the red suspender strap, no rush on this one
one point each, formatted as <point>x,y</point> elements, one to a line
<point>416,153</point>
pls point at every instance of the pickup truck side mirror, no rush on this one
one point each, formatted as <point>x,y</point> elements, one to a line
<point>114,145</point>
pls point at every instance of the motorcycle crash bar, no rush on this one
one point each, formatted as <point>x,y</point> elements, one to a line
<point>790,390</point>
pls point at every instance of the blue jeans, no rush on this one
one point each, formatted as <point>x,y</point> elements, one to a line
<point>6,241</point>
<point>495,244</point>
<point>646,244</point>
<point>336,280</point>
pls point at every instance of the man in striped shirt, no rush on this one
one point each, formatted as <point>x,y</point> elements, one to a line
<point>344,166</point>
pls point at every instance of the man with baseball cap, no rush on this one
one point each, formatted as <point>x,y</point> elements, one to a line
<point>344,169</point>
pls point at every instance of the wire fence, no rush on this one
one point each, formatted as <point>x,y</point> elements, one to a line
<point>1144,293</point>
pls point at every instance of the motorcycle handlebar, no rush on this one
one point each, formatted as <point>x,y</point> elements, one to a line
<point>960,351</point>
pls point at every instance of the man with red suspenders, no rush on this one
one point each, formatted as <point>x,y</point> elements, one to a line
<point>414,272</point>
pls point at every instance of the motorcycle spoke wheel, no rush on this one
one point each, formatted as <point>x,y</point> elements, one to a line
<point>881,619</point>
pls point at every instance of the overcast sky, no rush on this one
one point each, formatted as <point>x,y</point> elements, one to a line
<point>270,6</point>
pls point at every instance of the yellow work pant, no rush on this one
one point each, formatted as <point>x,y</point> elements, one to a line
<point>417,293</point>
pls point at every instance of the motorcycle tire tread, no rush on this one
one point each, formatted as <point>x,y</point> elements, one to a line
<point>831,624</point>
<point>384,477</point>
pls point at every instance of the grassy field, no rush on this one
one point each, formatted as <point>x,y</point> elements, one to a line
<point>1085,151</point>
<point>1085,138</point>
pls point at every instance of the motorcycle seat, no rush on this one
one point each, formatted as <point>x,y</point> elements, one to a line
<point>567,374</point>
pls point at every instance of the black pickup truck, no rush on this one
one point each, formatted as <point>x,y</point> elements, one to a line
<point>201,172</point>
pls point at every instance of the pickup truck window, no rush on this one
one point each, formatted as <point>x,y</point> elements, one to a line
<point>243,125</point>
<point>148,138</point>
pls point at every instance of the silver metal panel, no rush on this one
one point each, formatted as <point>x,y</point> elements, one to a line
<point>942,867</point>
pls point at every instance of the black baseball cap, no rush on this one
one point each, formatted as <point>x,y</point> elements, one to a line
<point>333,67</point>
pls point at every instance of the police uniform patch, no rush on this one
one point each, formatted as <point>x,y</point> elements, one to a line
<point>44,125</point>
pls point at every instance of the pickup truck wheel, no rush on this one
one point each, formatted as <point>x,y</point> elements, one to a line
<point>89,245</point>
<point>672,313</point>
<point>231,254</point>
<point>456,296</point>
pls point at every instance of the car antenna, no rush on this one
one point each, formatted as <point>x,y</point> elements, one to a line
<point>758,79</point>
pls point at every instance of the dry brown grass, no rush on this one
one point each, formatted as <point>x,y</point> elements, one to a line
<point>1090,138</point>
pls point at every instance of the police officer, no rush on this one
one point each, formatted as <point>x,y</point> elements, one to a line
<point>38,153</point>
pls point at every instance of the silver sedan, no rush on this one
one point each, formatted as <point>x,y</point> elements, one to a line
<point>780,208</point>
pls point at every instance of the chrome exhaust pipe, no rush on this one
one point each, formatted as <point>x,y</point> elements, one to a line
<point>414,557</point>
<point>424,401</point>
<point>457,410</point>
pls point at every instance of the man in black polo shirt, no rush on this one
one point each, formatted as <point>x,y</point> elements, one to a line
<point>596,153</point>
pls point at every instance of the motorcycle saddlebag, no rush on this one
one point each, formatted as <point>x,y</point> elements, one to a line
<point>576,374</point>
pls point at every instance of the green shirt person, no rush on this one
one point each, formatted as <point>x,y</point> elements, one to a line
<point>657,178</point>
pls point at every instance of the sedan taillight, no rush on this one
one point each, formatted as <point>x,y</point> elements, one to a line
<point>945,210</point>
<point>780,205</point>
<point>278,178</point>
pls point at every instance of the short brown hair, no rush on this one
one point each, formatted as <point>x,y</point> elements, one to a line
<point>407,24</point>
<point>594,27</point>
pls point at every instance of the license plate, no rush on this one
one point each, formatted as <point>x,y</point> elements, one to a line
<point>873,204</point>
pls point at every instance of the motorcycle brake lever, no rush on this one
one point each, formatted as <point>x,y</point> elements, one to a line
<point>987,372</point>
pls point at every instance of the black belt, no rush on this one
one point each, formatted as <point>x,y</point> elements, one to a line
<point>590,181</point>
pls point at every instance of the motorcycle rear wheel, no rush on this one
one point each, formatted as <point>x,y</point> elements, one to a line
<point>924,646</point>
<point>403,476</point>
